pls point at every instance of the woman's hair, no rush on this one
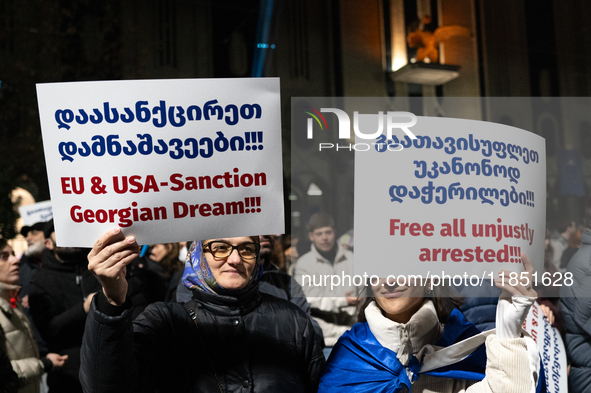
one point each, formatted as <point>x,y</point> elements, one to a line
<point>3,243</point>
<point>444,298</point>
<point>171,262</point>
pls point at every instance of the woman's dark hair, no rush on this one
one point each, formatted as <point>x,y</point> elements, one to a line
<point>3,243</point>
<point>444,298</point>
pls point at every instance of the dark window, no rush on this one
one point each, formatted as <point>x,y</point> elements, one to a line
<point>167,40</point>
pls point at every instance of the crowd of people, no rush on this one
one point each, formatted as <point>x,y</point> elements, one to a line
<point>235,315</point>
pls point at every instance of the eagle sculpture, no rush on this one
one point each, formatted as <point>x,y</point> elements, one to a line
<point>427,42</point>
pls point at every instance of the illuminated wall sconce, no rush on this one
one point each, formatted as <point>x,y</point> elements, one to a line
<point>426,73</point>
<point>424,69</point>
<point>314,190</point>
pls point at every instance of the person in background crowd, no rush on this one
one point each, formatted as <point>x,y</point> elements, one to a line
<point>167,256</point>
<point>59,299</point>
<point>18,341</point>
<point>31,260</point>
<point>574,243</point>
<point>274,281</point>
<point>290,251</point>
<point>280,284</point>
<point>230,337</point>
<point>183,250</point>
<point>397,345</point>
<point>275,255</point>
<point>347,241</point>
<point>576,308</point>
<point>29,264</point>
<point>146,282</point>
<point>333,313</point>
<point>559,240</point>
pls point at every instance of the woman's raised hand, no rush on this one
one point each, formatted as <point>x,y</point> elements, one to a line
<point>515,300</point>
<point>520,284</point>
<point>108,259</point>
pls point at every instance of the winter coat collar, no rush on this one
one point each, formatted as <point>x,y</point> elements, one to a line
<point>228,305</point>
<point>5,306</point>
<point>338,258</point>
<point>8,287</point>
<point>405,339</point>
<point>5,292</point>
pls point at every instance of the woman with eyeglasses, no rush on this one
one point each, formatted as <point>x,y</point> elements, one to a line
<point>228,338</point>
<point>411,338</point>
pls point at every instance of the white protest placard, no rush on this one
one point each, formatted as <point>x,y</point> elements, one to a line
<point>165,160</point>
<point>464,198</point>
<point>37,212</point>
<point>551,347</point>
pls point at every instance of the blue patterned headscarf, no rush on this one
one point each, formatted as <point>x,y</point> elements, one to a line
<point>198,275</point>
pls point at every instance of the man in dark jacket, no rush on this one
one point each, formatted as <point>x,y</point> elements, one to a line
<point>575,296</point>
<point>237,340</point>
<point>282,285</point>
<point>59,299</point>
<point>277,283</point>
<point>31,260</point>
<point>29,264</point>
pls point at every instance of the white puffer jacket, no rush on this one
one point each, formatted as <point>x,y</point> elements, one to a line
<point>20,344</point>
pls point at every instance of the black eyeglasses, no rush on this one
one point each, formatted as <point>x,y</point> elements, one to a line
<point>220,249</point>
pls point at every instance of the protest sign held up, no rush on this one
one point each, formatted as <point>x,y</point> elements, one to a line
<point>165,160</point>
<point>551,347</point>
<point>464,198</point>
<point>37,212</point>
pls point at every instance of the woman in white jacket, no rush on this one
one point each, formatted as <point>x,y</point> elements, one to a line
<point>19,342</point>
<point>400,344</point>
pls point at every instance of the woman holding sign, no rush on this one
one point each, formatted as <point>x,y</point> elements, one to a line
<point>402,344</point>
<point>229,337</point>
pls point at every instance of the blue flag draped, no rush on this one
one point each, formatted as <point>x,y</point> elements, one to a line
<point>359,363</point>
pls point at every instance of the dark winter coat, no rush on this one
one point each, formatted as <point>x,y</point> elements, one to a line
<point>273,282</point>
<point>257,343</point>
<point>56,300</point>
<point>576,307</point>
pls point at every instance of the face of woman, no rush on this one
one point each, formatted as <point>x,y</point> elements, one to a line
<point>232,272</point>
<point>158,252</point>
<point>398,302</point>
<point>8,266</point>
